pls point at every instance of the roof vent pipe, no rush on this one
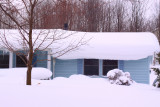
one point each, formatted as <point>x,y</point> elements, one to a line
<point>65,26</point>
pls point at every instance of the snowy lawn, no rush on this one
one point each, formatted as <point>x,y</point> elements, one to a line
<point>75,91</point>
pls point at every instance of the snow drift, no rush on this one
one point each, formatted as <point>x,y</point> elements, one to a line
<point>37,73</point>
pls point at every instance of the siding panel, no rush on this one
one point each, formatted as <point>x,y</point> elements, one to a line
<point>120,64</point>
<point>80,66</point>
<point>139,69</point>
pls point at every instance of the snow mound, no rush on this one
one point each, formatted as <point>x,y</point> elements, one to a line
<point>119,77</point>
<point>79,77</point>
<point>79,80</point>
<point>37,73</point>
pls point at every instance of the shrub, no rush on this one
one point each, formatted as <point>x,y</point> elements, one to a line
<point>156,82</point>
<point>119,77</point>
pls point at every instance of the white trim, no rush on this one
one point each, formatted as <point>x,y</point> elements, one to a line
<point>54,62</point>
<point>49,60</point>
<point>83,67</point>
<point>10,59</point>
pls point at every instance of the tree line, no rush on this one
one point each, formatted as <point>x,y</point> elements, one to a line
<point>88,15</point>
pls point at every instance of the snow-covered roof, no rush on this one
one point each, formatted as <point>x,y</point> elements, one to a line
<point>118,46</point>
<point>100,45</point>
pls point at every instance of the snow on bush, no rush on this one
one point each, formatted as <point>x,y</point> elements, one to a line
<point>37,73</point>
<point>119,77</point>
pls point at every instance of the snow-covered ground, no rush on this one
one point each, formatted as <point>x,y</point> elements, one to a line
<point>75,91</point>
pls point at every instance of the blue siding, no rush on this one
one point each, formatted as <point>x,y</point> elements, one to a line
<point>150,58</point>
<point>80,66</point>
<point>34,60</point>
<point>41,55</point>
<point>120,64</point>
<point>65,68</point>
<point>139,69</point>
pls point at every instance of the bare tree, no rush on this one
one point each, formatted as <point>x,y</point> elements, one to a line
<point>109,16</point>
<point>137,15</point>
<point>92,15</point>
<point>120,14</point>
<point>28,40</point>
<point>4,19</point>
<point>156,20</point>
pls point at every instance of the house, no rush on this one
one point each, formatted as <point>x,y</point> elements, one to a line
<point>130,52</point>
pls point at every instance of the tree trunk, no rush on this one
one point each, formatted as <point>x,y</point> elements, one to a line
<point>29,69</point>
<point>29,64</point>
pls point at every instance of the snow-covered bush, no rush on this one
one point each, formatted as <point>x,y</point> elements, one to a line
<point>119,77</point>
<point>37,73</point>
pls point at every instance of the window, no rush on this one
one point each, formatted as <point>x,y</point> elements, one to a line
<point>109,65</point>
<point>91,67</point>
<point>4,61</point>
<point>20,62</point>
